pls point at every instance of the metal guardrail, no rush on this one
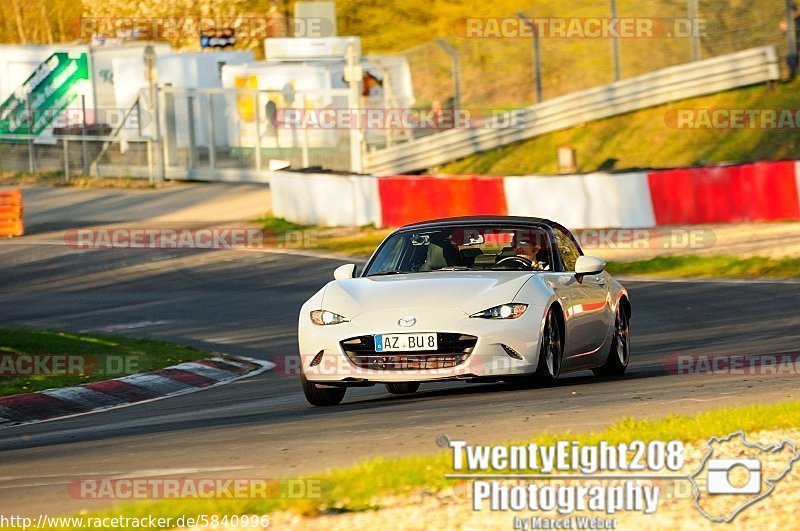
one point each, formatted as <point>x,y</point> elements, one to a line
<point>725,72</point>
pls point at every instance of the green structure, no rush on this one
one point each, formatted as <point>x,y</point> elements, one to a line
<point>44,95</point>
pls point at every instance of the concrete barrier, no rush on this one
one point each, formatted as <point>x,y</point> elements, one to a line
<point>591,201</point>
<point>409,198</point>
<point>762,191</point>
<point>327,200</point>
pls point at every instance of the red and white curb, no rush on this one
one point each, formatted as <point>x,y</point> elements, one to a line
<point>179,379</point>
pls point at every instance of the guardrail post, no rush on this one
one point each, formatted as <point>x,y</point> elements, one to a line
<point>150,172</point>
<point>31,156</point>
<point>258,130</point>
<point>84,145</point>
<point>212,155</point>
<point>66,159</point>
<point>31,123</point>
<point>191,116</point>
<point>304,148</point>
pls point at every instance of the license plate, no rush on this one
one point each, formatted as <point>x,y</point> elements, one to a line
<point>405,342</point>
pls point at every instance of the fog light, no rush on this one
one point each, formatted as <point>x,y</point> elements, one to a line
<point>317,359</point>
<point>511,352</point>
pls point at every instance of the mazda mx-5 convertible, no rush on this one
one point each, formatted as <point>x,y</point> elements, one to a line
<point>477,298</point>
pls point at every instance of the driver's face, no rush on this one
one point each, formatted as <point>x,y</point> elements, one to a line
<point>525,249</point>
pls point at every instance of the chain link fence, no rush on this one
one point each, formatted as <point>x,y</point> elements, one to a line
<point>497,62</point>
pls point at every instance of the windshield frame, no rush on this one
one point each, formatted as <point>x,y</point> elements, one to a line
<point>558,265</point>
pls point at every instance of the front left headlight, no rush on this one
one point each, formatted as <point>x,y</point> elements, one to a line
<point>324,317</point>
<point>504,311</point>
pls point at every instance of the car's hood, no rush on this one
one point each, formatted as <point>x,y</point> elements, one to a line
<point>468,291</point>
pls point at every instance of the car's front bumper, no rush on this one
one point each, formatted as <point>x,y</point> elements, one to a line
<point>487,359</point>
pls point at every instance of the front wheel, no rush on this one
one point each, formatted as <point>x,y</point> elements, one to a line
<point>402,388</point>
<point>551,353</point>
<point>620,352</point>
<point>322,396</point>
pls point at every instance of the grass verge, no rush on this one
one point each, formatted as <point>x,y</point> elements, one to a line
<point>79,358</point>
<point>362,244</point>
<point>356,241</point>
<point>355,488</point>
<point>692,266</point>
<point>626,141</point>
<point>279,226</point>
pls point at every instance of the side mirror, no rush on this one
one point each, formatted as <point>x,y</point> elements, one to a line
<point>589,265</point>
<point>344,271</point>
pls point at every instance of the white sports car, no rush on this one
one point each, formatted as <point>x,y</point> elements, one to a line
<point>475,298</point>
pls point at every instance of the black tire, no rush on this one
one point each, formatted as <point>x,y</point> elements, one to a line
<point>322,396</point>
<point>402,388</point>
<point>620,352</point>
<point>551,353</point>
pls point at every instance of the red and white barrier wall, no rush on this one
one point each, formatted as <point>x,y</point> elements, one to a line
<point>761,191</point>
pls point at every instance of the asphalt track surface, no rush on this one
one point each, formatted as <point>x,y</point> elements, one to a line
<point>246,303</point>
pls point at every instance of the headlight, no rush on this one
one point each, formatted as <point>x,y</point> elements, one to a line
<point>504,311</point>
<point>324,317</point>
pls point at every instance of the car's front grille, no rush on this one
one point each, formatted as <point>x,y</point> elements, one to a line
<point>454,349</point>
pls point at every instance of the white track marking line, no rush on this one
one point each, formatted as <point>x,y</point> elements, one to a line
<point>126,326</point>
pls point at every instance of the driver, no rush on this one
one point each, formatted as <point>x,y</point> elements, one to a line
<point>528,250</point>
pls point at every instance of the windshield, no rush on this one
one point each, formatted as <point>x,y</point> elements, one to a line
<point>470,248</point>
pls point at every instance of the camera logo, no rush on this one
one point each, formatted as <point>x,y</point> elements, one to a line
<point>722,476</point>
<point>735,474</point>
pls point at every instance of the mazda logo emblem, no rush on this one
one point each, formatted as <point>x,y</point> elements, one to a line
<point>407,321</point>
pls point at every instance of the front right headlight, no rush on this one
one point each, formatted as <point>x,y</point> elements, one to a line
<point>504,311</point>
<point>324,317</point>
